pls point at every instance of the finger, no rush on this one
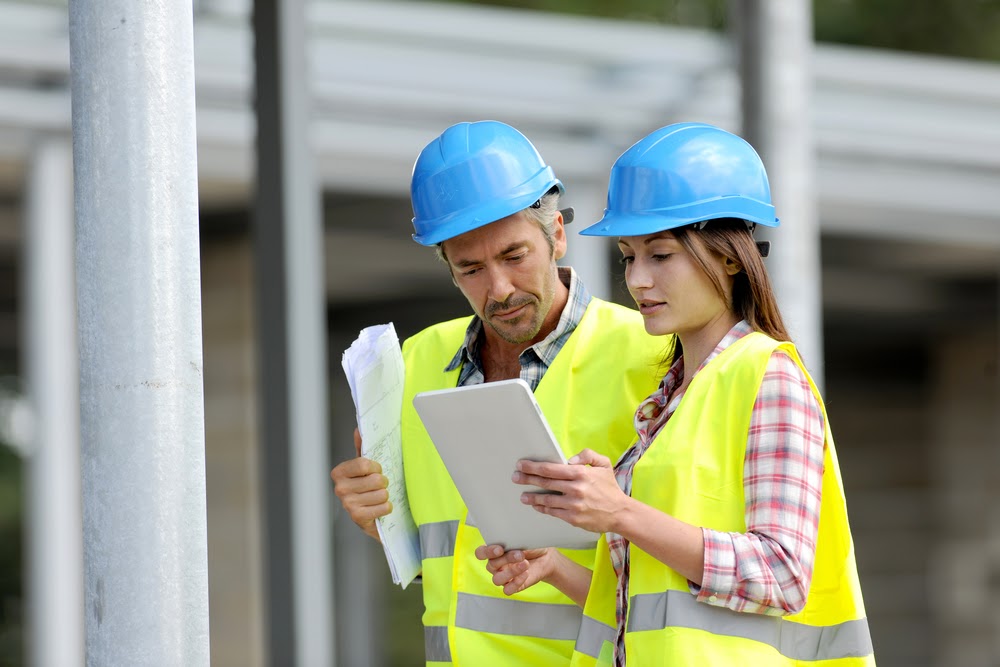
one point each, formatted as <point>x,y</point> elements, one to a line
<point>547,483</point>
<point>366,515</point>
<point>517,584</point>
<point>358,467</point>
<point>505,575</point>
<point>589,457</point>
<point>550,470</point>
<point>489,551</point>
<point>546,500</point>
<point>485,552</point>
<point>357,441</point>
<point>350,486</point>
<point>369,498</point>
<point>505,560</point>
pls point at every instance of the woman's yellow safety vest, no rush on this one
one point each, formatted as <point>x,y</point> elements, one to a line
<point>589,395</point>
<point>694,472</point>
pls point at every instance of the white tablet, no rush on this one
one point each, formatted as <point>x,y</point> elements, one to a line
<point>481,432</point>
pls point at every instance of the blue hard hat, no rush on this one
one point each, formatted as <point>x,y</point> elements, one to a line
<point>683,174</point>
<point>472,175</point>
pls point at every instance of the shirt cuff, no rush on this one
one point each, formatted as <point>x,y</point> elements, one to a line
<point>718,581</point>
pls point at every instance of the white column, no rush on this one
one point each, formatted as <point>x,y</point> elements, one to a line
<point>54,544</point>
<point>588,255</point>
<point>139,310</point>
<point>776,70</point>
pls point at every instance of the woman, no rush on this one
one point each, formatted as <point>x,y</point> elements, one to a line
<point>725,537</point>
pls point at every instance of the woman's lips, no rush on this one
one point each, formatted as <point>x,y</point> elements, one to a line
<point>650,307</point>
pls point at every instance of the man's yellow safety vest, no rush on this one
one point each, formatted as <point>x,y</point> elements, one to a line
<point>589,395</point>
<point>694,472</point>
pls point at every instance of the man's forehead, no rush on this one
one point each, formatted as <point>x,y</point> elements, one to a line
<point>492,239</point>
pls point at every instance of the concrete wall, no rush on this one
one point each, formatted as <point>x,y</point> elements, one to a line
<point>234,553</point>
<point>965,463</point>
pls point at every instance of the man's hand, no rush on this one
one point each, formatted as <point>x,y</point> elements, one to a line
<point>362,489</point>
<point>518,569</point>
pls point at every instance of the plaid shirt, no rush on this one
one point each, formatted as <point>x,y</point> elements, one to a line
<point>536,359</point>
<point>767,569</point>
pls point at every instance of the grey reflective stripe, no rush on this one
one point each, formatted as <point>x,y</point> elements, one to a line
<point>592,636</point>
<point>436,647</point>
<point>437,540</point>
<point>679,609</point>
<point>514,617</point>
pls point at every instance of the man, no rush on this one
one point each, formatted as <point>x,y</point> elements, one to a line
<point>484,197</point>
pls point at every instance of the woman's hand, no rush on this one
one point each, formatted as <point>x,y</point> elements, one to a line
<point>587,494</point>
<point>518,569</point>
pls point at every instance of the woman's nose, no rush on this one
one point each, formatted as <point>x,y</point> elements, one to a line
<point>637,275</point>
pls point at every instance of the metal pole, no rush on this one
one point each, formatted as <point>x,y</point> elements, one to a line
<point>776,69</point>
<point>54,545</point>
<point>291,312</point>
<point>139,308</point>
<point>588,255</point>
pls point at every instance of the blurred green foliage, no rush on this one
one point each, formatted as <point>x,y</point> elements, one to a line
<point>963,28</point>
<point>10,558</point>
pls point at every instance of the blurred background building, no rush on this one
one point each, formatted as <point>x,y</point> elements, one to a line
<point>908,186</point>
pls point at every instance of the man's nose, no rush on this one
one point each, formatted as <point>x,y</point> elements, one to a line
<point>501,287</point>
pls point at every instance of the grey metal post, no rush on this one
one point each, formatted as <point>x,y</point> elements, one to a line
<point>776,40</point>
<point>54,545</point>
<point>139,309</point>
<point>291,317</point>
<point>588,255</point>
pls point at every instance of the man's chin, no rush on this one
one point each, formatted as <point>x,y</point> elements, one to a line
<point>515,335</point>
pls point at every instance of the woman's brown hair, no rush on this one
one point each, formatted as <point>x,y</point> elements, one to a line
<point>753,295</point>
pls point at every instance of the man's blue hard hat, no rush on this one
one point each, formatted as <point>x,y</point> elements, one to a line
<point>472,175</point>
<point>683,174</point>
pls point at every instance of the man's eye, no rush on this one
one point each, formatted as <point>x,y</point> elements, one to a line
<point>516,258</point>
<point>470,272</point>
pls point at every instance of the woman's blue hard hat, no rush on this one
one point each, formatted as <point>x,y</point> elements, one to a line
<point>684,174</point>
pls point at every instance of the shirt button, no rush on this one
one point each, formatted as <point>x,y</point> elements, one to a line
<point>712,598</point>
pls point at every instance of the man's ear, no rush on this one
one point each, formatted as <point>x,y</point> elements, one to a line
<point>559,237</point>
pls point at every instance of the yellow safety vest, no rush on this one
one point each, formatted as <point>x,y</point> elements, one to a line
<point>589,395</point>
<point>694,471</point>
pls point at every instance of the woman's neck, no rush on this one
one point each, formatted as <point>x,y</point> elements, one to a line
<point>697,345</point>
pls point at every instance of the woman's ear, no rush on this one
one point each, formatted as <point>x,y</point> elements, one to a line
<point>731,267</point>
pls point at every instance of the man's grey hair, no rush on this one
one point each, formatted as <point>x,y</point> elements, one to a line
<point>542,213</point>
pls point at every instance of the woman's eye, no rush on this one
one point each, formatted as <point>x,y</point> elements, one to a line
<point>660,258</point>
<point>626,260</point>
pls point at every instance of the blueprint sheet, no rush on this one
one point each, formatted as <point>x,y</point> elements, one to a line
<point>374,367</point>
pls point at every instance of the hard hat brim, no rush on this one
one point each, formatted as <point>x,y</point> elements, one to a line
<point>639,224</point>
<point>466,220</point>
